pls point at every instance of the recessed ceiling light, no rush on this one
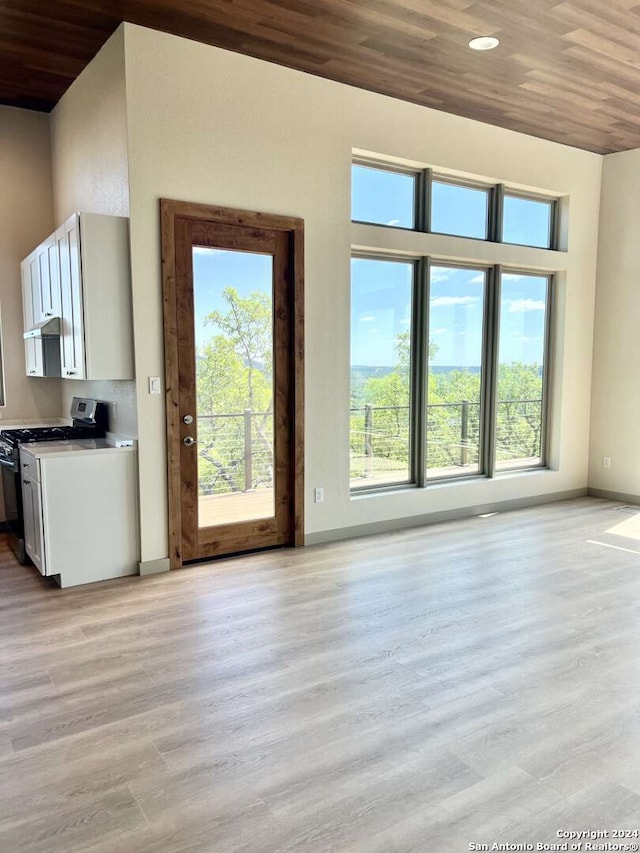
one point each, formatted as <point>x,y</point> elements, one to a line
<point>484,43</point>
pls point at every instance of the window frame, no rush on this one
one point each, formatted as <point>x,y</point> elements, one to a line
<point>414,367</point>
<point>485,366</point>
<point>423,261</point>
<point>547,355</point>
<point>488,189</point>
<point>553,204</point>
<point>496,193</point>
<point>419,371</point>
<point>418,192</point>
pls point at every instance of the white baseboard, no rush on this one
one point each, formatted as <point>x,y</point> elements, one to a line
<point>623,497</point>
<point>154,567</point>
<point>393,524</point>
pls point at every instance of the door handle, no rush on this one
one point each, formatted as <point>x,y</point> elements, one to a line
<point>189,440</point>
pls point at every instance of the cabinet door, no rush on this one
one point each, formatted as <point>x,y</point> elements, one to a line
<point>27,510</point>
<point>33,522</point>
<point>33,354</point>
<point>35,259</point>
<point>50,279</point>
<point>38,555</point>
<point>43,283</point>
<point>72,331</point>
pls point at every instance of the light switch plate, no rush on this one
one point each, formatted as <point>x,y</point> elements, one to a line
<point>154,384</point>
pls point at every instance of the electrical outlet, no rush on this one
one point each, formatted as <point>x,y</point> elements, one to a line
<point>606,462</point>
<point>318,496</point>
<point>114,414</point>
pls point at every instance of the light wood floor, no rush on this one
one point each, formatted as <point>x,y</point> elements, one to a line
<point>465,683</point>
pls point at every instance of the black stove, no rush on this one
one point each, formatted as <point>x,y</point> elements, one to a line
<point>90,420</point>
<point>10,439</point>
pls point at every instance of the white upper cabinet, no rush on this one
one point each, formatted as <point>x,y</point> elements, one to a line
<point>95,283</point>
<point>31,308</point>
<point>71,317</point>
<point>81,274</point>
<point>49,279</point>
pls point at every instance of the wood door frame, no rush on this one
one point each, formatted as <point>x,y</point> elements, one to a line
<point>171,213</point>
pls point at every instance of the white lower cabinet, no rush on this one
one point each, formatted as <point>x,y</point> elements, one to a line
<point>33,522</point>
<point>80,510</point>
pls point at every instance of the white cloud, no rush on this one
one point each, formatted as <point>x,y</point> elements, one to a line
<point>478,279</point>
<point>439,301</point>
<point>441,331</point>
<point>393,222</point>
<point>367,319</point>
<point>520,306</point>
<point>440,274</point>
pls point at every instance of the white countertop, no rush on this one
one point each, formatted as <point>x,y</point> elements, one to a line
<point>85,445</point>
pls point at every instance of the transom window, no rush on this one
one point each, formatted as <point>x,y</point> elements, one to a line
<point>424,201</point>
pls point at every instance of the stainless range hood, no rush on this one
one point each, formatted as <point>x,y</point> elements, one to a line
<point>49,328</point>
<point>43,342</point>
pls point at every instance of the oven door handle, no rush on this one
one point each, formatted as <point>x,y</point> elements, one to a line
<point>6,464</point>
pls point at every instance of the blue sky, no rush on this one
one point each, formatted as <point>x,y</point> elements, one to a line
<point>215,269</point>
<point>381,290</point>
<point>380,311</point>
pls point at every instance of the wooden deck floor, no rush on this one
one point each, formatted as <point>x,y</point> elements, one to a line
<point>238,506</point>
<point>474,682</point>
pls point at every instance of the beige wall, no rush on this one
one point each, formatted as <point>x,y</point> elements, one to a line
<point>90,173</point>
<point>210,126</point>
<point>615,416</point>
<point>89,139</point>
<point>26,217</point>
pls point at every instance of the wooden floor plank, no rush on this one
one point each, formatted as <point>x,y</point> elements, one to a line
<point>476,681</point>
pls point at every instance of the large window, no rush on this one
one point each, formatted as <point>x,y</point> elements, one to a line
<point>448,359</point>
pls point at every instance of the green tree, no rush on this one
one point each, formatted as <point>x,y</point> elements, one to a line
<point>246,326</point>
<point>454,399</point>
<point>519,416</point>
<point>234,376</point>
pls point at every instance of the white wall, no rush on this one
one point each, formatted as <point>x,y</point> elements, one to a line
<point>26,217</point>
<point>215,127</point>
<point>615,416</point>
<point>91,174</point>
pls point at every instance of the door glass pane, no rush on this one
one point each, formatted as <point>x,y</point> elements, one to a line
<point>459,210</point>
<point>233,306</point>
<point>521,348</point>
<point>527,221</point>
<point>456,326</point>
<point>380,372</point>
<point>382,197</point>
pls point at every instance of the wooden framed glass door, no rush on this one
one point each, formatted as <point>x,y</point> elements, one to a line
<point>234,375</point>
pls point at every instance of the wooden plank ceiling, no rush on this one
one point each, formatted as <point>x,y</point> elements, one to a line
<point>566,71</point>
